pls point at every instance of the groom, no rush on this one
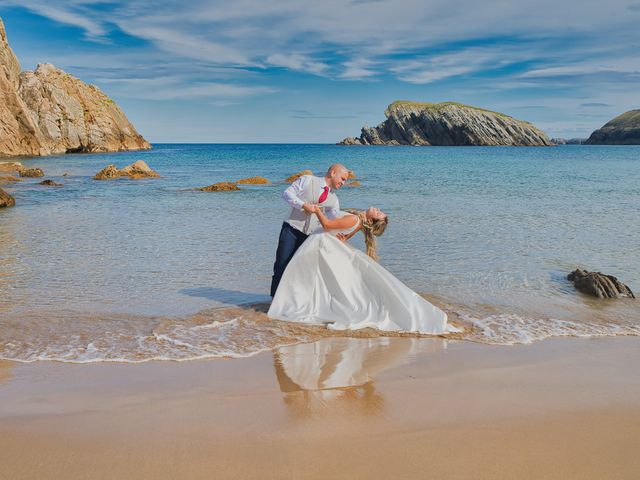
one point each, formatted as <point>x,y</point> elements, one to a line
<point>302,195</point>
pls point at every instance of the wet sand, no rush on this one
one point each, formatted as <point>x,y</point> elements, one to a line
<point>338,408</point>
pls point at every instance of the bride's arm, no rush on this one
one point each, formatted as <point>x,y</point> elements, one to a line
<point>335,223</point>
<point>345,237</point>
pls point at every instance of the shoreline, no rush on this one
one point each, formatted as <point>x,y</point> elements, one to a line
<point>334,408</point>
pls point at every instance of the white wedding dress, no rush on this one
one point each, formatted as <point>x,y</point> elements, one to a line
<point>329,282</point>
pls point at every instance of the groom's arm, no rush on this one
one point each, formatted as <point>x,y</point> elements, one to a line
<point>333,212</point>
<point>292,193</point>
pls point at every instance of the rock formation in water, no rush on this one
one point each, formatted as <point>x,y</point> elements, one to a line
<point>599,285</point>
<point>253,181</point>
<point>8,179</point>
<point>31,172</point>
<point>10,167</point>
<point>296,176</point>
<point>6,200</point>
<point>49,111</point>
<point>134,171</point>
<point>50,183</point>
<point>622,130</point>
<point>448,123</point>
<point>221,187</point>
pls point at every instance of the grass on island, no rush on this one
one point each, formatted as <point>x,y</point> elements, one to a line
<point>441,105</point>
<point>630,119</point>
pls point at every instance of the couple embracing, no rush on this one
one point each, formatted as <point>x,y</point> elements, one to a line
<point>318,278</point>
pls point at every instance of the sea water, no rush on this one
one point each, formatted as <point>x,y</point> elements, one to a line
<point>132,270</point>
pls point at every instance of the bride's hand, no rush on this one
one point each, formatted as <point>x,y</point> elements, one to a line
<point>309,208</point>
<point>343,237</point>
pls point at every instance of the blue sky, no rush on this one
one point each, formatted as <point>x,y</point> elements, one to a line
<point>301,71</point>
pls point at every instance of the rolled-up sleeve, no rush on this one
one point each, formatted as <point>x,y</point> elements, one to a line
<point>292,192</point>
<point>333,212</point>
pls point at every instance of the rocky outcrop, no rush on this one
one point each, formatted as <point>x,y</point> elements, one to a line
<point>134,171</point>
<point>9,179</point>
<point>107,173</point>
<point>10,167</point>
<point>253,181</point>
<point>49,112</point>
<point>599,285</point>
<point>622,130</point>
<point>449,123</point>
<point>31,172</point>
<point>221,187</point>
<point>138,169</point>
<point>296,176</point>
<point>6,200</point>
<point>50,183</point>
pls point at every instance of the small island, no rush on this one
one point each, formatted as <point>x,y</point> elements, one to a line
<point>622,130</point>
<point>448,124</point>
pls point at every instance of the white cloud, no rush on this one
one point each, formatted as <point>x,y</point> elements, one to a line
<point>306,35</point>
<point>297,62</point>
<point>358,69</point>
<point>427,69</point>
<point>94,29</point>
<point>178,88</point>
<point>221,50</point>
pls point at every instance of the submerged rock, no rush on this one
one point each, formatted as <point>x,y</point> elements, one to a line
<point>6,200</point>
<point>448,123</point>
<point>48,111</point>
<point>599,285</point>
<point>221,187</point>
<point>31,172</point>
<point>50,183</point>
<point>253,181</point>
<point>9,179</point>
<point>134,171</point>
<point>10,167</point>
<point>622,130</point>
<point>295,176</point>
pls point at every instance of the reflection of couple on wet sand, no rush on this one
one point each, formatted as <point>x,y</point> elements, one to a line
<point>331,373</point>
<point>318,278</point>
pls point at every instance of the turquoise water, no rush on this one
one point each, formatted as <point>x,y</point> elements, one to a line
<point>94,269</point>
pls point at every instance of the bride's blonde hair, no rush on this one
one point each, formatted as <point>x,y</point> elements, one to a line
<point>370,229</point>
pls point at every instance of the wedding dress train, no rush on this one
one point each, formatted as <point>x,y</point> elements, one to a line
<point>329,282</point>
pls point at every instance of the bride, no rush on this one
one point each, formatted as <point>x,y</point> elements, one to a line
<point>330,282</point>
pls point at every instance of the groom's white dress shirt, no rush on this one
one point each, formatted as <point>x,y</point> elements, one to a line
<point>307,189</point>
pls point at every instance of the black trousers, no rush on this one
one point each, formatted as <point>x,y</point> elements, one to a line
<point>288,243</point>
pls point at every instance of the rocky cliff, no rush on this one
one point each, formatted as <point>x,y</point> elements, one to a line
<point>49,111</point>
<point>448,123</point>
<point>622,130</point>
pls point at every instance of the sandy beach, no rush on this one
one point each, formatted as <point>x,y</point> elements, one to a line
<point>337,408</point>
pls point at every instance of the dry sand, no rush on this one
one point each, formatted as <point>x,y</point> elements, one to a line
<point>415,408</point>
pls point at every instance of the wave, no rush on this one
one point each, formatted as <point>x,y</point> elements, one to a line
<point>238,332</point>
<point>512,329</point>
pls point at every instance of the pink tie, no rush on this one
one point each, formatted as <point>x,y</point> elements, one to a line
<point>324,195</point>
